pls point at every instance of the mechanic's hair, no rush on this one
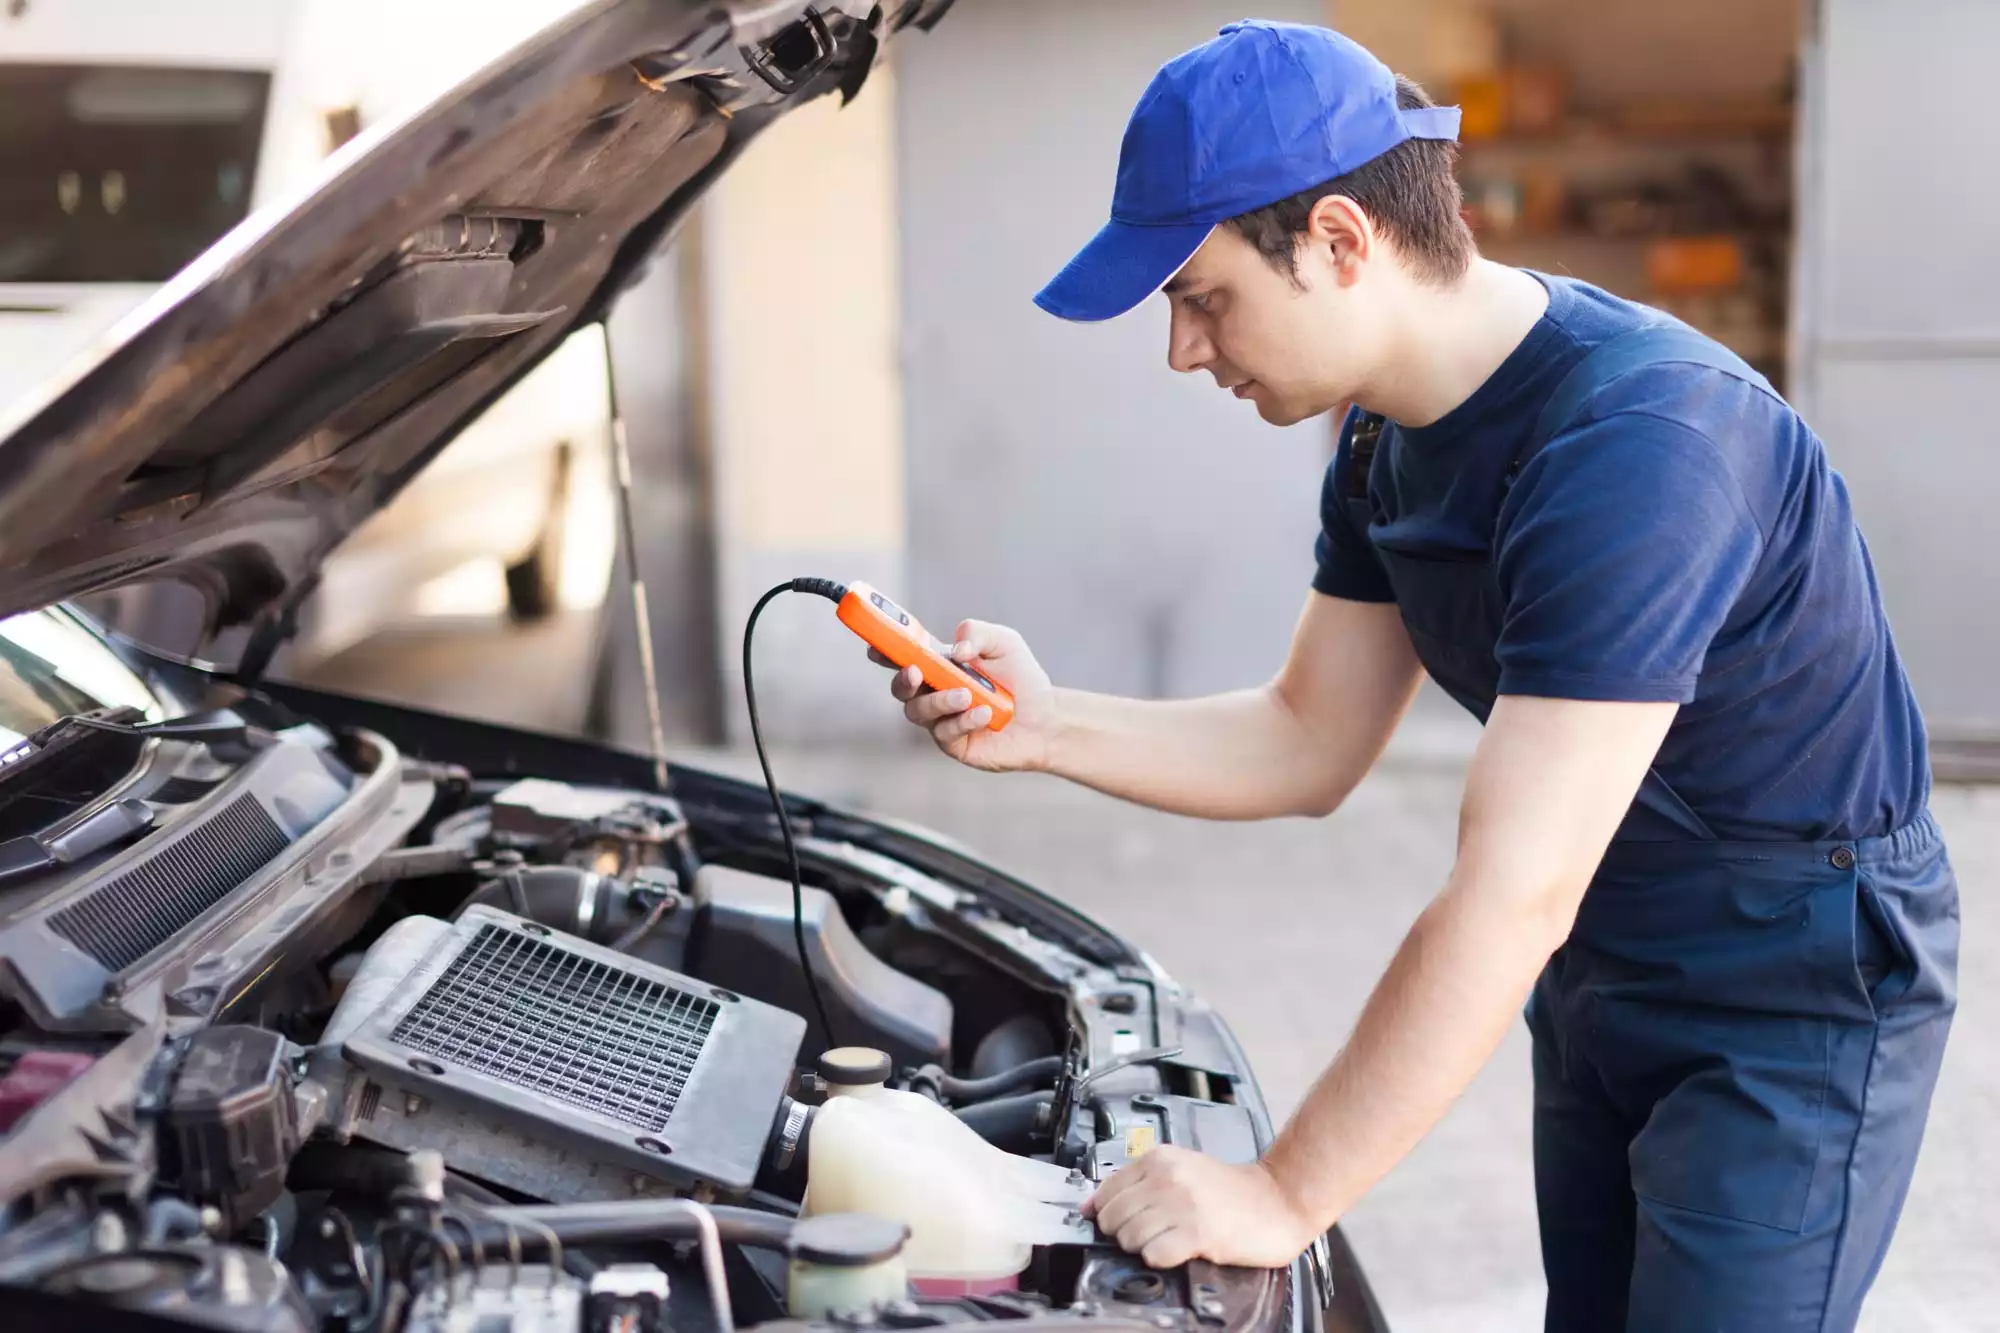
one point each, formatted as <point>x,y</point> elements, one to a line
<point>1410,192</point>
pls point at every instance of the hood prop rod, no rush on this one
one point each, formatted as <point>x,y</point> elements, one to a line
<point>642,620</point>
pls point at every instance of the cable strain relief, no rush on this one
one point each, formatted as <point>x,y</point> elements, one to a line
<point>826,588</point>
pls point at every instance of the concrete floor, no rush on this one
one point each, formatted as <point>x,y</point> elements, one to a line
<point>1285,926</point>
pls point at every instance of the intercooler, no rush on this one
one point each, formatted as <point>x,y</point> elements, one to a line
<point>543,1062</point>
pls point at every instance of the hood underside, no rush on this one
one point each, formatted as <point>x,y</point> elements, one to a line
<point>286,385</point>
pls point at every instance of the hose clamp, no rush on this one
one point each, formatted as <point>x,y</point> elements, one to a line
<point>791,1134</point>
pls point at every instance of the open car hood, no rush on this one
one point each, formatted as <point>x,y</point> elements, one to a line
<point>287,384</point>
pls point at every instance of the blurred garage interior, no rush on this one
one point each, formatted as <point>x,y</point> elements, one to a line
<point>835,369</point>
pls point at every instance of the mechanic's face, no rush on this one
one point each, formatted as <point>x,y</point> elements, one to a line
<point>1295,349</point>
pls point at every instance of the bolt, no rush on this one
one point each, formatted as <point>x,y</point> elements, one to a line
<point>426,1167</point>
<point>326,1227</point>
<point>413,1105</point>
<point>108,1233</point>
<point>235,1278</point>
<point>211,1219</point>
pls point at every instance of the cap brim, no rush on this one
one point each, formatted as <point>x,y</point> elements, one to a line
<point>1122,266</point>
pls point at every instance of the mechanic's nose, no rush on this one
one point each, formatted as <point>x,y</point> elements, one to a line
<point>1188,348</point>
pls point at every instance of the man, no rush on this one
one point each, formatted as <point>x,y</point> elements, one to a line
<point>1694,838</point>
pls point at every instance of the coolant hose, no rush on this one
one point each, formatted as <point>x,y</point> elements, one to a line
<point>1042,1071</point>
<point>1011,1124</point>
<point>636,1219</point>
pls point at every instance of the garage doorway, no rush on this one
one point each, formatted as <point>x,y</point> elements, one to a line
<point>1147,532</point>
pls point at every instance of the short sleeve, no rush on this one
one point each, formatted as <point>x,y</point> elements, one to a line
<point>1348,565</point>
<point>1623,548</point>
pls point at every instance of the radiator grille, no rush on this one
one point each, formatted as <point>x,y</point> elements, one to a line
<point>134,914</point>
<point>576,1031</point>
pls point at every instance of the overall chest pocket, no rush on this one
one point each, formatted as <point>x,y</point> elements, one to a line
<point>1454,612</point>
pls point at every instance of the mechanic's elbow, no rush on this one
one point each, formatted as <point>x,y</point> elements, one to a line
<point>1318,800</point>
<point>1550,914</point>
<point>1314,786</point>
<point>1552,919</point>
<point>1537,918</point>
<point>1317,789</point>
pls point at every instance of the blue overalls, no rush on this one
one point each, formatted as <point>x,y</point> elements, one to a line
<point>1734,1051</point>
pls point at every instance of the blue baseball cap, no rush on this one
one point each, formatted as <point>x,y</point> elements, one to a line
<point>1262,112</point>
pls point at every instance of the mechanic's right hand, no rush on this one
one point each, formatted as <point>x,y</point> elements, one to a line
<point>960,729</point>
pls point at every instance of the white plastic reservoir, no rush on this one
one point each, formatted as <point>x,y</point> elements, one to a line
<point>975,1213</point>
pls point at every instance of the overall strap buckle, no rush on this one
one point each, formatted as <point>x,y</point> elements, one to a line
<point>1361,453</point>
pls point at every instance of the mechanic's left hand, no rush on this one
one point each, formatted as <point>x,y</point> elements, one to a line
<point>1173,1205</point>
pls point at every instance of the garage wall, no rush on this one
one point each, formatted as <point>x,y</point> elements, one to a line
<point>798,305</point>
<point>1147,532</point>
<point>1898,345</point>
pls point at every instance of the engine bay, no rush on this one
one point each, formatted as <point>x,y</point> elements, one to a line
<point>441,1051</point>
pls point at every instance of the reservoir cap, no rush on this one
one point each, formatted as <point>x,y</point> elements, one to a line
<point>854,1067</point>
<point>848,1240</point>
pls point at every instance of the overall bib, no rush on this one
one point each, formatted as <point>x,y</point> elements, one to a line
<point>1734,1051</point>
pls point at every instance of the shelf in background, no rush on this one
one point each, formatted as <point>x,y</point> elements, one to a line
<point>1587,138</point>
<point>1622,240</point>
<point>1665,126</point>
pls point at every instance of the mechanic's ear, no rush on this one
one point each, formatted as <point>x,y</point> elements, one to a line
<point>1341,236</point>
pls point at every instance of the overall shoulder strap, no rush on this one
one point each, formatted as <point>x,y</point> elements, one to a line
<point>1649,345</point>
<point>1365,434</point>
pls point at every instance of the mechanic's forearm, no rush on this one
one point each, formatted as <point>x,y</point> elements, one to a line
<point>1437,1015</point>
<point>1239,756</point>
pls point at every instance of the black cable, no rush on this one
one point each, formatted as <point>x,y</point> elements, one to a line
<point>832,592</point>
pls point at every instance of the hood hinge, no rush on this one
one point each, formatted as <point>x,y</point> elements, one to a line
<point>274,629</point>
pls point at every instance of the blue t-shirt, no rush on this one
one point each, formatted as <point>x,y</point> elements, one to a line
<point>1683,540</point>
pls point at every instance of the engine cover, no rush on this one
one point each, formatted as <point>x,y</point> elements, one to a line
<point>543,1062</point>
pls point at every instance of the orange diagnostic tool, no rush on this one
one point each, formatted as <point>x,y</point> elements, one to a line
<point>895,633</point>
